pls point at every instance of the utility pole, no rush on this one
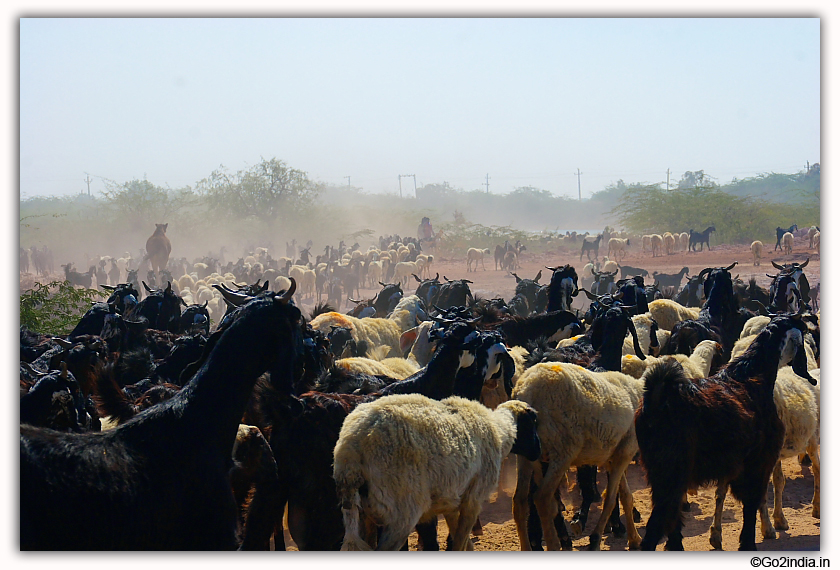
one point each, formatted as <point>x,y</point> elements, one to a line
<point>487,183</point>
<point>668,183</point>
<point>578,175</point>
<point>87,179</point>
<point>348,182</point>
<point>401,176</point>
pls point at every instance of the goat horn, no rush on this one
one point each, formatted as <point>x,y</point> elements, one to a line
<point>777,266</point>
<point>287,296</point>
<point>233,297</point>
<point>551,268</point>
<point>112,288</point>
<point>146,286</point>
<point>354,300</point>
<point>804,264</point>
<point>734,263</point>
<point>591,296</point>
<point>28,367</point>
<point>62,342</point>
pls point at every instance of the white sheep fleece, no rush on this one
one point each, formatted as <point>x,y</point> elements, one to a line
<point>418,458</point>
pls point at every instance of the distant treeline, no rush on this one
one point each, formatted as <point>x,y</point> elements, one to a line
<point>272,203</point>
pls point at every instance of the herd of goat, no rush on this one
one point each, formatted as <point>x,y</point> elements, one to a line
<point>149,428</point>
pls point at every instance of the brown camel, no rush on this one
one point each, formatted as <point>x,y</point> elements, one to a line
<point>158,248</point>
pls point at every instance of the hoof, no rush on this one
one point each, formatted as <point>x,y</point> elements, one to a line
<point>634,545</point>
<point>780,524</point>
<point>566,544</point>
<point>673,546</point>
<point>594,542</point>
<point>748,547</point>
<point>769,534</point>
<point>715,538</point>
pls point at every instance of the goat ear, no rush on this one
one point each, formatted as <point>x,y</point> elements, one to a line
<point>537,278</point>
<point>407,339</point>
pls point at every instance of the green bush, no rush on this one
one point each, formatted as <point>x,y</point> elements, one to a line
<point>54,308</point>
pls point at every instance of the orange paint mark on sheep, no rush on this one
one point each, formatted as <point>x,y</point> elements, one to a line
<point>340,320</point>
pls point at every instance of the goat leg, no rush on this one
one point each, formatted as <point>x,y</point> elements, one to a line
<point>587,482</point>
<point>715,531</point>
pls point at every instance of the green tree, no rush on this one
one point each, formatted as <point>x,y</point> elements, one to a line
<point>139,202</point>
<point>269,191</point>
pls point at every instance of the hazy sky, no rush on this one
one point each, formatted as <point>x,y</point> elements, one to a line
<point>527,101</point>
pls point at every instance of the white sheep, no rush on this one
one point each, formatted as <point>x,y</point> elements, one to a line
<point>817,242</point>
<point>374,272</point>
<point>787,242</point>
<point>376,331</point>
<point>656,244</point>
<point>698,365</point>
<point>395,367</point>
<point>418,458</point>
<point>812,231</point>
<point>646,243</point>
<point>668,313</point>
<point>754,325</point>
<point>756,248</point>
<point>684,241</point>
<point>619,246</point>
<point>474,255</point>
<point>643,323</point>
<point>609,266</point>
<point>669,242</point>
<point>798,406</point>
<point>403,270</point>
<point>585,418</point>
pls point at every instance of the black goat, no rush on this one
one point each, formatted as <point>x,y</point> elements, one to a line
<point>561,288</point>
<point>161,479</point>
<point>700,237</point>
<point>798,273</point>
<point>554,325</point>
<point>454,293</point>
<point>590,246</point>
<point>724,429</point>
<point>162,308</point>
<point>628,271</point>
<point>528,289</point>
<point>780,232</point>
<point>670,280</point>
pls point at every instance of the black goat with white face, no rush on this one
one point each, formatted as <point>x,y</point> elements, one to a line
<point>561,288</point>
<point>796,270</point>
